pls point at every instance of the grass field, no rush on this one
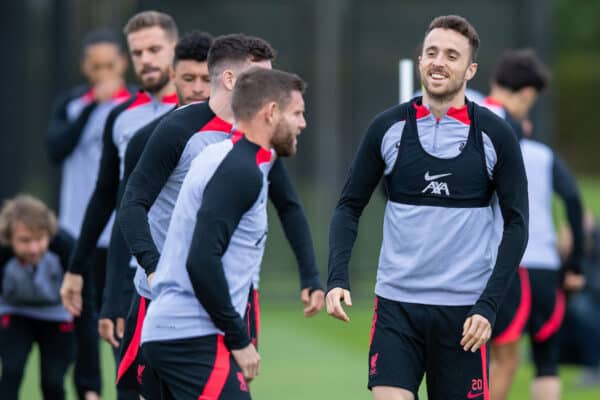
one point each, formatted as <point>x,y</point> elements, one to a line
<point>322,358</point>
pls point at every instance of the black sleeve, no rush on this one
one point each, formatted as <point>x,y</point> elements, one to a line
<point>565,186</point>
<point>160,157</point>
<point>103,200</point>
<point>511,187</point>
<point>230,193</point>
<point>63,135</point>
<point>365,172</point>
<point>295,225</point>
<point>62,244</point>
<point>119,287</point>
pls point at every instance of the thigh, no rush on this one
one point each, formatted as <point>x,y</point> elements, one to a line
<point>397,351</point>
<point>131,372</point>
<point>16,337</point>
<point>58,346</point>
<point>547,305</point>
<point>198,368</point>
<point>514,311</point>
<point>453,373</point>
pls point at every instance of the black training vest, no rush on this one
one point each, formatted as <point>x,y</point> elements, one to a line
<point>419,178</point>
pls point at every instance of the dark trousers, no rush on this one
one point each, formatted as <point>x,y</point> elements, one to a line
<point>57,346</point>
<point>86,374</point>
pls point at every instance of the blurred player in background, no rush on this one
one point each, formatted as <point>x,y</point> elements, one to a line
<point>75,143</point>
<point>151,38</point>
<point>535,300</point>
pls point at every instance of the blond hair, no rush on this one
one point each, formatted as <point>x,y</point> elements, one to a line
<point>28,210</point>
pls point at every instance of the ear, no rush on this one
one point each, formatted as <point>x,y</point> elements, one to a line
<point>272,113</point>
<point>471,71</point>
<point>228,79</point>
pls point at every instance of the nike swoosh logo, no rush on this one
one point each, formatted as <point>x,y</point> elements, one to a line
<point>472,395</point>
<point>434,177</point>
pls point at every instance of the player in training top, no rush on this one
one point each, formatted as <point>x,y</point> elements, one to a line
<point>194,335</point>
<point>441,275</point>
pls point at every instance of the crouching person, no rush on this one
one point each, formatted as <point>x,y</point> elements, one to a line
<point>33,255</point>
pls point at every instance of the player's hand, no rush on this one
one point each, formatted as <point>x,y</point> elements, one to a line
<point>70,293</point>
<point>248,360</point>
<point>476,332</point>
<point>106,89</point>
<point>111,332</point>
<point>150,279</point>
<point>334,305</point>
<point>313,302</point>
<point>573,282</point>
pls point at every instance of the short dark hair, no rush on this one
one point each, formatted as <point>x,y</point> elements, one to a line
<point>519,68</point>
<point>32,212</point>
<point>193,46</point>
<point>150,19</point>
<point>458,24</point>
<point>98,36</point>
<point>237,48</point>
<point>257,86</point>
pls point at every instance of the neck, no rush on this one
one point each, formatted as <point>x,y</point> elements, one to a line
<point>505,98</point>
<point>255,133</point>
<point>167,90</point>
<point>439,106</point>
<point>220,104</point>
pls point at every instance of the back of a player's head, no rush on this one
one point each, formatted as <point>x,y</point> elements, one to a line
<point>29,211</point>
<point>100,36</point>
<point>257,87</point>
<point>193,46</point>
<point>520,68</point>
<point>151,19</point>
<point>230,51</point>
<point>458,24</point>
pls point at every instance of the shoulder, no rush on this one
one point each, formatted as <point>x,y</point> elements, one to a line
<point>496,128</point>
<point>533,148</point>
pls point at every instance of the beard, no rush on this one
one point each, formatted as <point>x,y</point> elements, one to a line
<point>155,85</point>
<point>284,140</point>
<point>453,88</point>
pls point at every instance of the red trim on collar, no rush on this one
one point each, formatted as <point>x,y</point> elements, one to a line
<point>141,98</point>
<point>460,114</point>
<point>263,156</point>
<point>170,98</point>
<point>88,96</point>
<point>121,95</point>
<point>217,124</point>
<point>492,102</point>
<point>236,137</point>
<point>422,111</point>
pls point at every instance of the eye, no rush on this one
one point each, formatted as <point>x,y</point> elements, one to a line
<point>155,49</point>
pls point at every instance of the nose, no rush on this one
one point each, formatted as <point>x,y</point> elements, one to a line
<point>302,124</point>
<point>146,57</point>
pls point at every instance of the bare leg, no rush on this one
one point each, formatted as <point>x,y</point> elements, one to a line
<point>504,362</point>
<point>391,393</point>
<point>546,388</point>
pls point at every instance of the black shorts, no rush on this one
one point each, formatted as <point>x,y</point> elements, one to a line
<point>252,316</point>
<point>409,340</point>
<point>196,368</point>
<point>514,311</point>
<point>547,304</point>
<point>132,372</point>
